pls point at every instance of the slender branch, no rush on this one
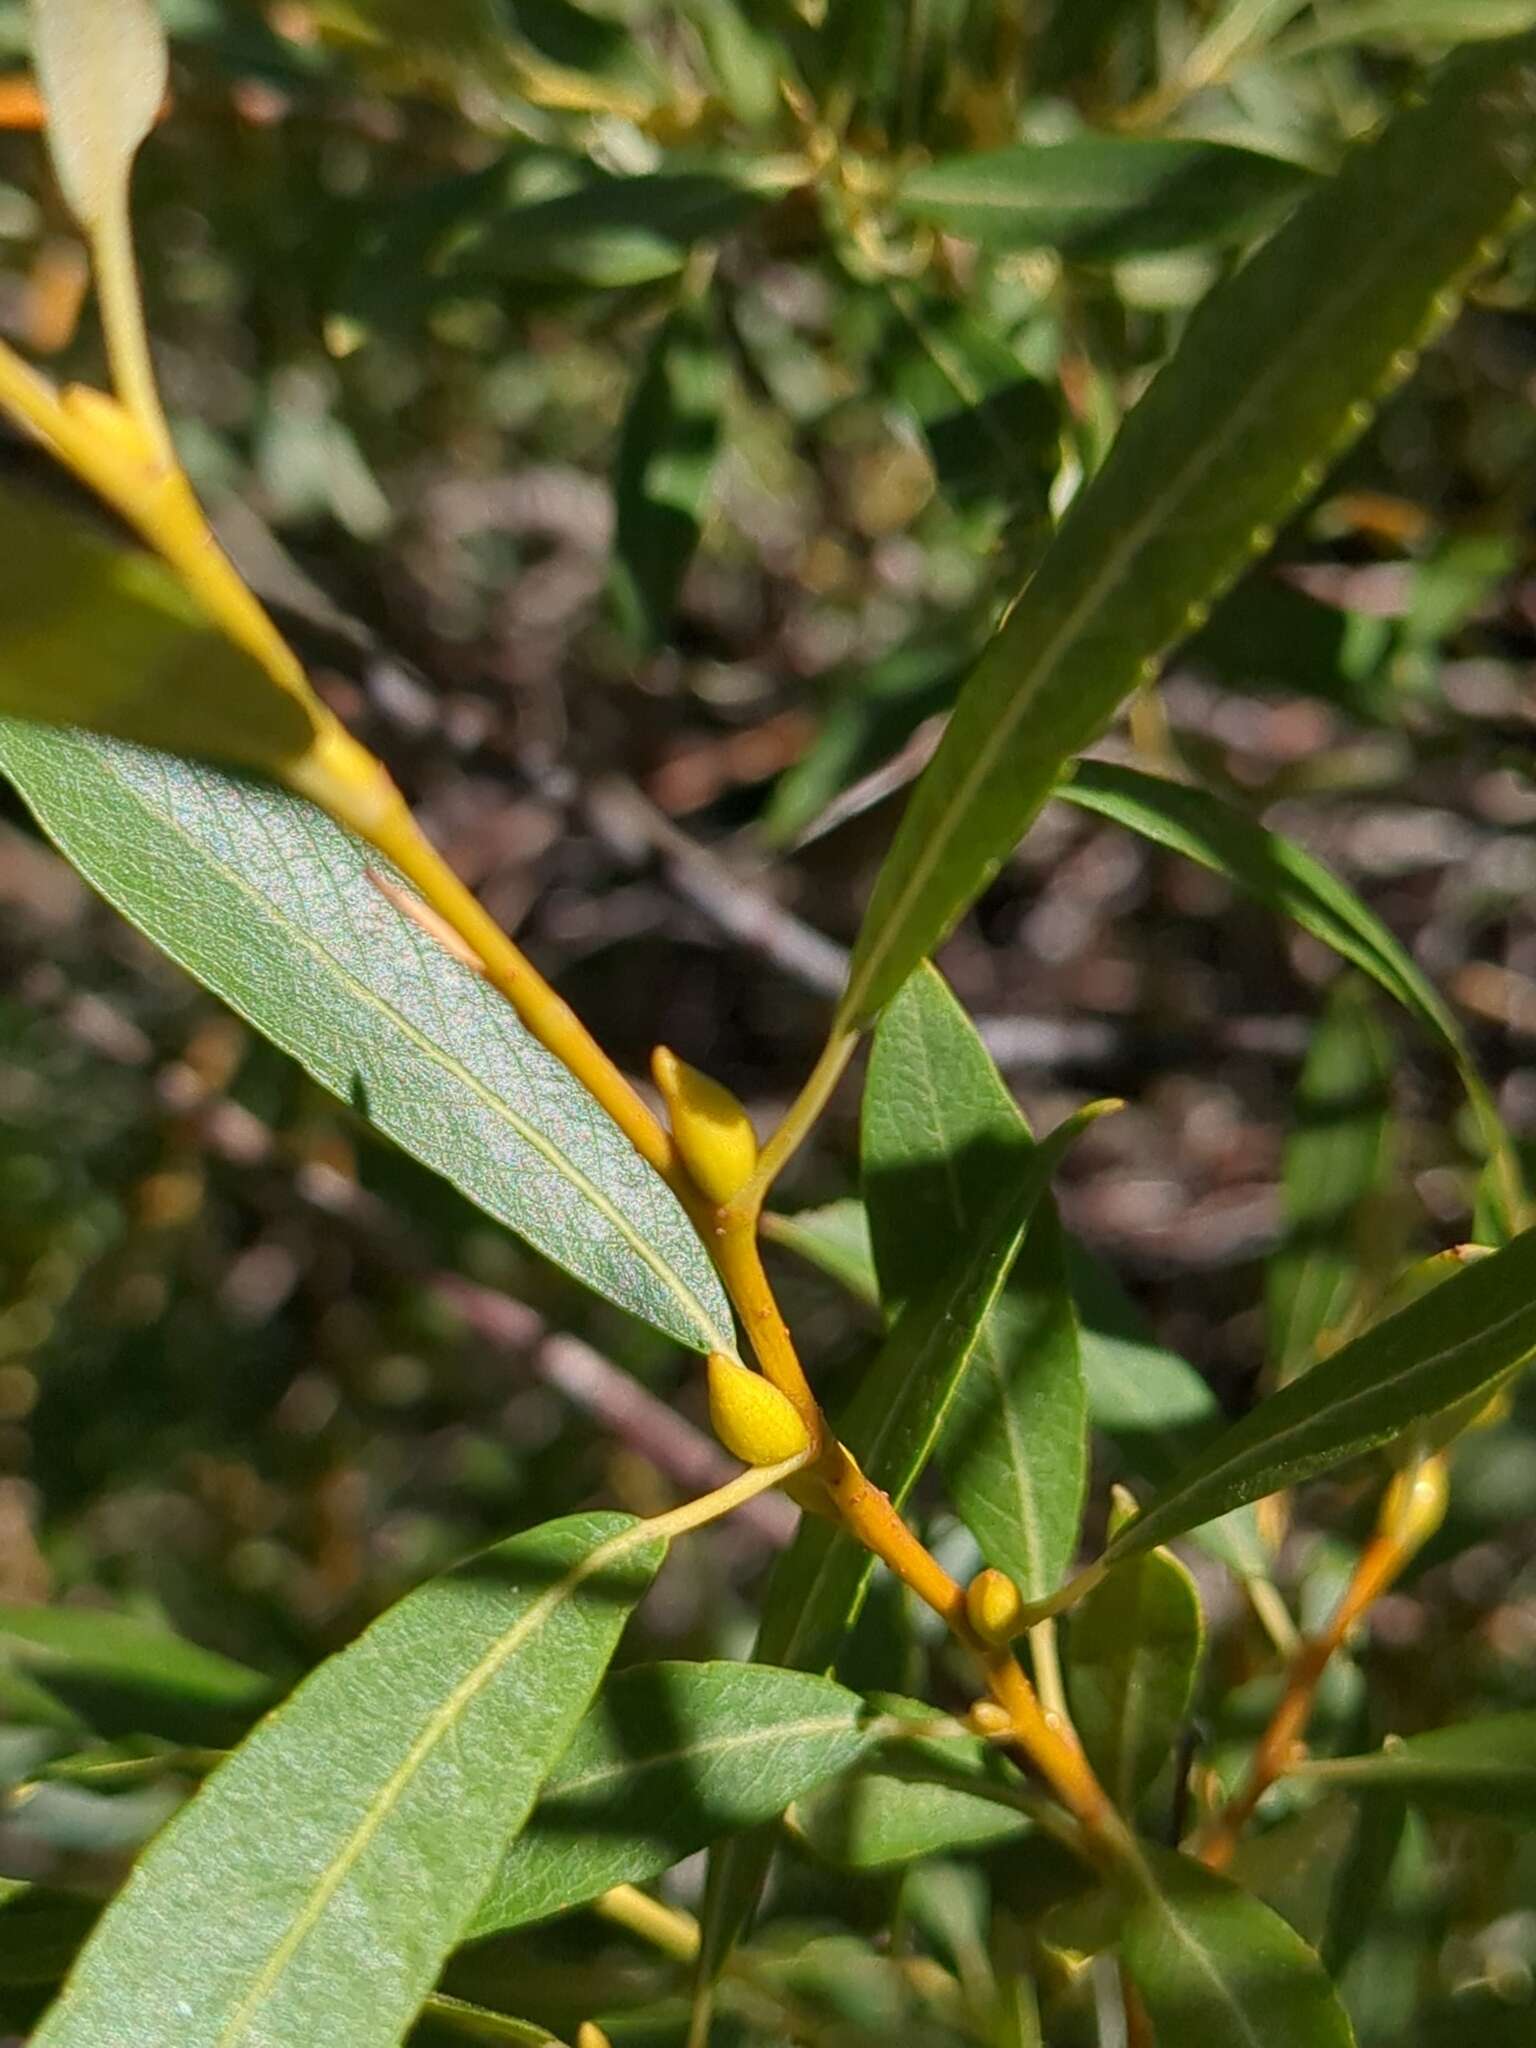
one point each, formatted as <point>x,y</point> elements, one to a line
<point>122,320</point>
<point>791,1133</point>
<point>1411,1511</point>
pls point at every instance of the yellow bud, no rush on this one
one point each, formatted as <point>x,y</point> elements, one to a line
<point>754,1421</point>
<point>1413,1506</point>
<point>994,1605</point>
<point>989,1720</point>
<point>590,2035</point>
<point>713,1132</point>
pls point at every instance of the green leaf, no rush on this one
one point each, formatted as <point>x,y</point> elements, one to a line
<point>666,463</point>
<point>269,904</point>
<point>1338,1163</point>
<point>1270,380</point>
<point>1216,1969</point>
<point>834,1239</point>
<point>670,1758</point>
<point>105,636</point>
<point>1153,1406</point>
<point>1485,1766</point>
<point>920,1796</point>
<point>891,1427</point>
<point>1101,197</point>
<point>940,1135</point>
<point>125,1677</point>
<point>1443,1348</point>
<point>612,233</point>
<point>314,1886</point>
<point>1269,867</point>
<point>1267,635</point>
<point>1133,1652</point>
<point>992,430</point>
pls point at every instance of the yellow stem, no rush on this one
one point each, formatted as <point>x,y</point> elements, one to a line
<point>675,1933</point>
<point>789,1136</point>
<point>1397,1539</point>
<point>733,1246</point>
<point>122,320</point>
<point>1045,1660</point>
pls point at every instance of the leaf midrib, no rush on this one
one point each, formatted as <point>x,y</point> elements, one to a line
<point>438,1723</point>
<point>350,984</point>
<point>623,1768</point>
<point>1183,1936</point>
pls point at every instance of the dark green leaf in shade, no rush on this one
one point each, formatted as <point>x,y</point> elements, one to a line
<point>1100,197</point>
<point>992,430</point>
<point>1338,1163</point>
<point>333,1862</point>
<point>1446,1347</point>
<point>940,1132</point>
<point>1133,1653</point>
<point>1273,375</point>
<point>666,463</point>
<point>1216,1969</point>
<point>124,1677</point>
<point>270,905</point>
<point>670,1758</point>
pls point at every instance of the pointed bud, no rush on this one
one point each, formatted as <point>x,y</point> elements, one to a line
<point>754,1421</point>
<point>590,2035</point>
<point>713,1132</point>
<point>995,1606</point>
<point>1413,1506</point>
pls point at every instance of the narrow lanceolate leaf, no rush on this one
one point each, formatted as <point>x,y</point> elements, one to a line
<point>891,1427</point>
<point>1216,1969</point>
<point>123,1677</point>
<point>665,464</point>
<point>1133,1653</point>
<point>1486,1766</point>
<point>1289,880</point>
<point>1100,197</point>
<point>940,1131</point>
<point>1338,1161</point>
<point>1442,1349</point>
<point>103,72</point>
<point>270,905</point>
<point>670,1758</point>
<point>1272,377</point>
<point>328,1867</point>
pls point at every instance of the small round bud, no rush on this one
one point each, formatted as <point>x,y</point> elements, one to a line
<point>713,1132</point>
<point>754,1421</point>
<point>992,1722</point>
<point>590,2035</point>
<point>994,1605</point>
